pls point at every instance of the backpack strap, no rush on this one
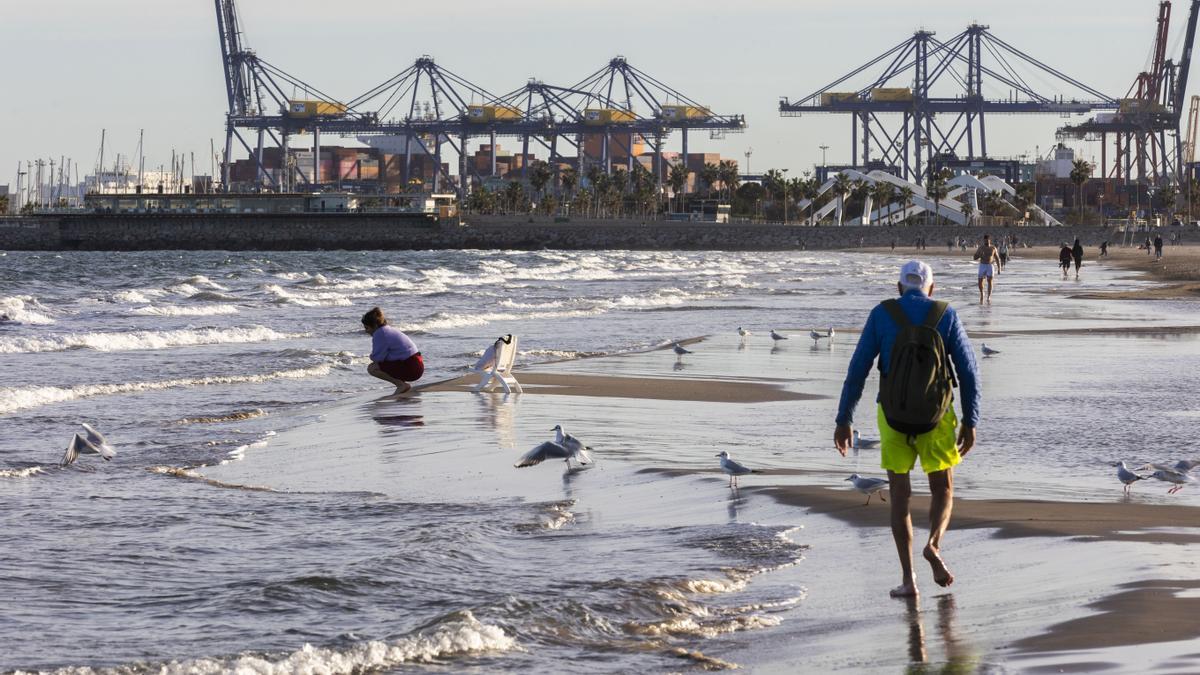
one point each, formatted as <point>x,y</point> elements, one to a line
<point>896,312</point>
<point>934,317</point>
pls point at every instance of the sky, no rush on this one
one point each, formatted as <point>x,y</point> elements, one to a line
<point>75,67</point>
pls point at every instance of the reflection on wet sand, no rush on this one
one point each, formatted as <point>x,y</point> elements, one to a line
<point>957,657</point>
<point>499,412</point>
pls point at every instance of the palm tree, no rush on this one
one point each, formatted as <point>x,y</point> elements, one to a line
<point>710,174</point>
<point>1166,195</point>
<point>568,179</point>
<point>936,190</point>
<point>859,192</point>
<point>906,199</point>
<point>677,177</point>
<point>1081,171</point>
<point>728,171</point>
<point>883,193</point>
<point>540,177</point>
<point>842,185</point>
<point>811,190</point>
<point>620,183</point>
<point>795,189</point>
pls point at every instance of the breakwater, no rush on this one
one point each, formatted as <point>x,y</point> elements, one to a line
<point>318,231</point>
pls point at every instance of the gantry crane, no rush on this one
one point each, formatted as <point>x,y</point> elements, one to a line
<point>972,60</point>
<point>1146,128</point>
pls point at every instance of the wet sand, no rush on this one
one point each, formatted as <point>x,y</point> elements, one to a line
<point>648,388</point>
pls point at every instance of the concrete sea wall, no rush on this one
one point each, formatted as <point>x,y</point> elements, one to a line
<point>119,232</point>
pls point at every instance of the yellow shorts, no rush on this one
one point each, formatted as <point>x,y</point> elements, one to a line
<point>938,449</point>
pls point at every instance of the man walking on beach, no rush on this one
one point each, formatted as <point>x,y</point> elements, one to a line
<point>898,332</point>
<point>988,257</point>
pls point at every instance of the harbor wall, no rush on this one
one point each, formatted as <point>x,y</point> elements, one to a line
<point>119,232</point>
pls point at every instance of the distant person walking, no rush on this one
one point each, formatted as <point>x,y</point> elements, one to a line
<point>915,413</point>
<point>1077,255</point>
<point>1064,258</point>
<point>1104,249</point>
<point>394,356</point>
<point>1149,246</point>
<point>1003,253</point>
<point>1158,244</point>
<point>988,257</point>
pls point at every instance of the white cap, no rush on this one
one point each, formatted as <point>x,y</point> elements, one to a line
<point>916,274</point>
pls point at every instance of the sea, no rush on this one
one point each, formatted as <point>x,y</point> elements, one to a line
<point>268,512</point>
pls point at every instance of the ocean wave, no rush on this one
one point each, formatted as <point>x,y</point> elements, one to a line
<point>20,398</point>
<point>137,340</point>
<point>174,310</point>
<point>231,417</point>
<point>460,634</point>
<point>306,298</point>
<point>22,473</point>
<point>136,297</point>
<point>445,321</point>
<point>690,626</point>
<point>212,296</point>
<point>21,309</point>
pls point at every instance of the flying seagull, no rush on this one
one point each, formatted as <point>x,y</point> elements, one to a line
<point>732,468</point>
<point>1179,479</point>
<point>92,442</point>
<point>565,447</point>
<point>868,486</point>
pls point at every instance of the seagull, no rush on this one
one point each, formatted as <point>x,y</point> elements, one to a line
<point>572,444</point>
<point>1126,476</point>
<point>91,443</point>
<point>868,486</point>
<point>743,332</point>
<point>1179,479</point>
<point>861,443</point>
<point>552,450</point>
<point>777,336</point>
<point>732,468</point>
<point>988,351</point>
<point>1186,465</point>
<point>817,335</point>
<point>680,350</point>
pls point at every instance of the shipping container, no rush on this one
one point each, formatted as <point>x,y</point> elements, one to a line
<point>491,113</point>
<point>831,97</point>
<point>679,113</point>
<point>891,94</point>
<point>307,108</point>
<point>601,116</point>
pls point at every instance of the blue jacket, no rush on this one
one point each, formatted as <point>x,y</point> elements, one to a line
<point>877,338</point>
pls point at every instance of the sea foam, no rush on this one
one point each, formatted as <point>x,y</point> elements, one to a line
<point>20,398</point>
<point>20,309</point>
<point>135,340</point>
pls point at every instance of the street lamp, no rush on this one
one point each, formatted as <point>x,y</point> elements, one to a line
<point>823,148</point>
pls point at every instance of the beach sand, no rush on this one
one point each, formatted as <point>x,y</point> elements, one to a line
<point>1056,570</point>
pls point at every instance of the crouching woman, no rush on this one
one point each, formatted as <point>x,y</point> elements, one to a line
<point>394,356</point>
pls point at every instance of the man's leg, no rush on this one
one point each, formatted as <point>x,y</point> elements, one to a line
<point>901,489</point>
<point>941,503</point>
<point>981,289</point>
<point>989,290</point>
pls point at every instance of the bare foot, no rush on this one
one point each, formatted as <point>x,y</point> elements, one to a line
<point>941,573</point>
<point>402,391</point>
<point>905,590</point>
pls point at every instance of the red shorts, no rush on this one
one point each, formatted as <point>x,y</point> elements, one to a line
<point>408,370</point>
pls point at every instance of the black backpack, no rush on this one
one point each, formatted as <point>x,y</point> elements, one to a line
<point>919,385</point>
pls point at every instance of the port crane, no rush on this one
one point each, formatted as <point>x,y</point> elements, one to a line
<point>1145,129</point>
<point>936,90</point>
<point>617,103</point>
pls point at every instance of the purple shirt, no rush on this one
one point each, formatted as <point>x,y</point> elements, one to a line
<point>389,344</point>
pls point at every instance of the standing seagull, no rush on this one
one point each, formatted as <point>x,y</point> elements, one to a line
<point>680,350</point>
<point>1126,476</point>
<point>1179,479</point>
<point>816,336</point>
<point>732,468</point>
<point>743,332</point>
<point>868,486</point>
<point>988,351</point>
<point>777,336</point>
<point>91,443</point>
